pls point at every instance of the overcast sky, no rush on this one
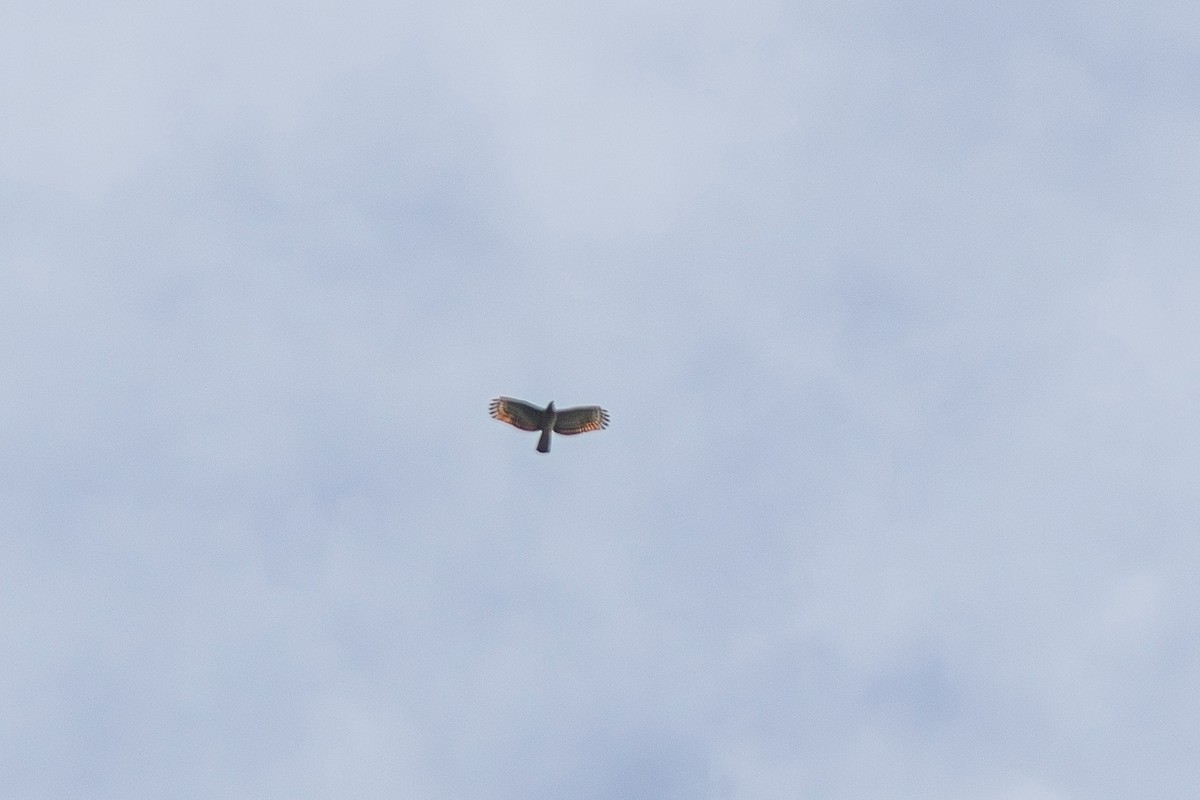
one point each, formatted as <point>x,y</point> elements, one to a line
<point>894,308</point>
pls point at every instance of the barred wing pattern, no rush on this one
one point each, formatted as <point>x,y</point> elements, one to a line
<point>571,421</point>
<point>517,413</point>
<point>529,417</point>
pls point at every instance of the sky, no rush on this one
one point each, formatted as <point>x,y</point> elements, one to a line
<point>893,306</point>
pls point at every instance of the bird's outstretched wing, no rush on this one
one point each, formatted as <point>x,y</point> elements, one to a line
<point>580,420</point>
<point>517,413</point>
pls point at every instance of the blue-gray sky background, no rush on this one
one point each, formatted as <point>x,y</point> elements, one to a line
<point>894,307</point>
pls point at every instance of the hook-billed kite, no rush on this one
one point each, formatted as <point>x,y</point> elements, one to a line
<point>527,417</point>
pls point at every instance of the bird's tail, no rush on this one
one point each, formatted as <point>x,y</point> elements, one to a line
<point>544,442</point>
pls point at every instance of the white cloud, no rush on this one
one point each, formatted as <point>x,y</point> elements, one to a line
<point>893,313</point>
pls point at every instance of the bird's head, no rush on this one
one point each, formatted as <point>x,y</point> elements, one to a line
<point>550,407</point>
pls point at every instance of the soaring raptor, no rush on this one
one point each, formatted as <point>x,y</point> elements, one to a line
<point>529,417</point>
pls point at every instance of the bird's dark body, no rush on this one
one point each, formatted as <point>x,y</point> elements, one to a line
<point>528,417</point>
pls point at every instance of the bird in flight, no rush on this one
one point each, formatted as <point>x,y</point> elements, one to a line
<point>529,417</point>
